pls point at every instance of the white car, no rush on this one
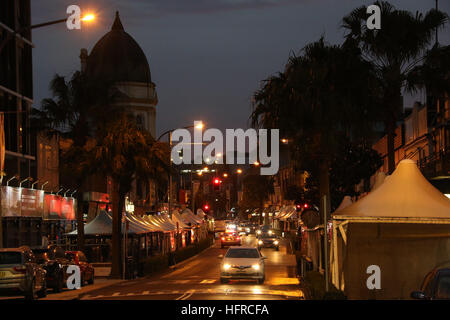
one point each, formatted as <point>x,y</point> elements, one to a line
<point>242,263</point>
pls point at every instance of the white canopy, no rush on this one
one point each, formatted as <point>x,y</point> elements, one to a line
<point>379,179</point>
<point>288,212</point>
<point>177,218</point>
<point>405,194</point>
<point>347,201</point>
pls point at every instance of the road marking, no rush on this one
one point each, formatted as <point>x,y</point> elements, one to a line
<point>130,294</point>
<point>181,281</point>
<point>208,281</point>
<point>115,294</point>
<point>186,295</point>
<point>145,292</point>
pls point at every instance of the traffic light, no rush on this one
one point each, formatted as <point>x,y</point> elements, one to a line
<point>206,208</point>
<point>298,207</point>
<point>217,182</point>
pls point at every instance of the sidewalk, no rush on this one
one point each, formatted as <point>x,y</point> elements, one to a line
<point>75,294</point>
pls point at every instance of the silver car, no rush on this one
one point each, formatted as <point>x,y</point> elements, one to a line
<point>242,263</point>
<point>20,273</point>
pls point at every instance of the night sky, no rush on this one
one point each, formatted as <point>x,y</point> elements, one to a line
<point>207,57</point>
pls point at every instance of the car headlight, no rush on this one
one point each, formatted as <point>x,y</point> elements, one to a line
<point>270,232</point>
<point>258,232</point>
<point>256,266</point>
<point>260,242</point>
<point>248,229</point>
<point>226,266</point>
<point>275,242</point>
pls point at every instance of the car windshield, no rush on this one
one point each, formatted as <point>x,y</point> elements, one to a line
<point>268,236</point>
<point>243,253</point>
<point>10,257</point>
<point>443,289</point>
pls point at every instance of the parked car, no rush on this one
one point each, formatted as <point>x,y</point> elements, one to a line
<point>242,263</point>
<point>86,269</point>
<point>267,240</point>
<point>54,261</point>
<point>230,239</point>
<point>21,274</point>
<point>435,286</point>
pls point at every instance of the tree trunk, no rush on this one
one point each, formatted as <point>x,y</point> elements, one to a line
<point>117,208</point>
<point>80,223</point>
<point>390,128</point>
<point>324,188</point>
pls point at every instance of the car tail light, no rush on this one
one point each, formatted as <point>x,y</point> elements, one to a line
<point>223,238</point>
<point>21,269</point>
<point>238,238</point>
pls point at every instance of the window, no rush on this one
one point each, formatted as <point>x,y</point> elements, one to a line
<point>10,257</point>
<point>243,253</point>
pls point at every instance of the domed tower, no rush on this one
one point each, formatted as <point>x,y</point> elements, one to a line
<point>117,57</point>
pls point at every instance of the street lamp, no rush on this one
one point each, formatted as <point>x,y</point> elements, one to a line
<point>239,171</point>
<point>43,185</point>
<point>198,126</point>
<point>59,191</point>
<point>32,185</point>
<point>14,177</point>
<point>24,180</point>
<point>10,33</point>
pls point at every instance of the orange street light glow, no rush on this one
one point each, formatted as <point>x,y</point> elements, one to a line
<point>199,126</point>
<point>256,163</point>
<point>239,171</point>
<point>88,17</point>
<point>225,175</point>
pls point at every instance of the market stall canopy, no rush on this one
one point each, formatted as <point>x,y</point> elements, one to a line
<point>289,213</point>
<point>102,226</point>
<point>405,194</point>
<point>379,179</point>
<point>347,201</point>
<point>188,216</point>
<point>177,218</point>
<point>139,222</point>
<point>160,223</point>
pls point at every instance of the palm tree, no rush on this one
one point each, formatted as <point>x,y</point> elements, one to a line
<point>394,50</point>
<point>123,152</point>
<point>77,105</point>
<point>322,94</point>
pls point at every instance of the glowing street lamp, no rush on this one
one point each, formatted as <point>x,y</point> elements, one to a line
<point>88,17</point>
<point>239,171</point>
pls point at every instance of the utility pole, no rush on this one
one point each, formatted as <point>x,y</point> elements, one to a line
<point>325,240</point>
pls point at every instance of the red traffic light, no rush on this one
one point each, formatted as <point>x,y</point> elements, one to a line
<point>217,181</point>
<point>306,205</point>
<point>206,207</point>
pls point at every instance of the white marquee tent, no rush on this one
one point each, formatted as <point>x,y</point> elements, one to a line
<point>403,226</point>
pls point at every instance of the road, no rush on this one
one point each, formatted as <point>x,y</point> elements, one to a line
<point>198,279</point>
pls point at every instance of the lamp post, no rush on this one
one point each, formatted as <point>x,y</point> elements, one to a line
<point>23,181</point>
<point>11,33</point>
<point>169,196</point>
<point>12,178</point>
<point>59,191</point>
<point>32,185</point>
<point>43,185</point>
